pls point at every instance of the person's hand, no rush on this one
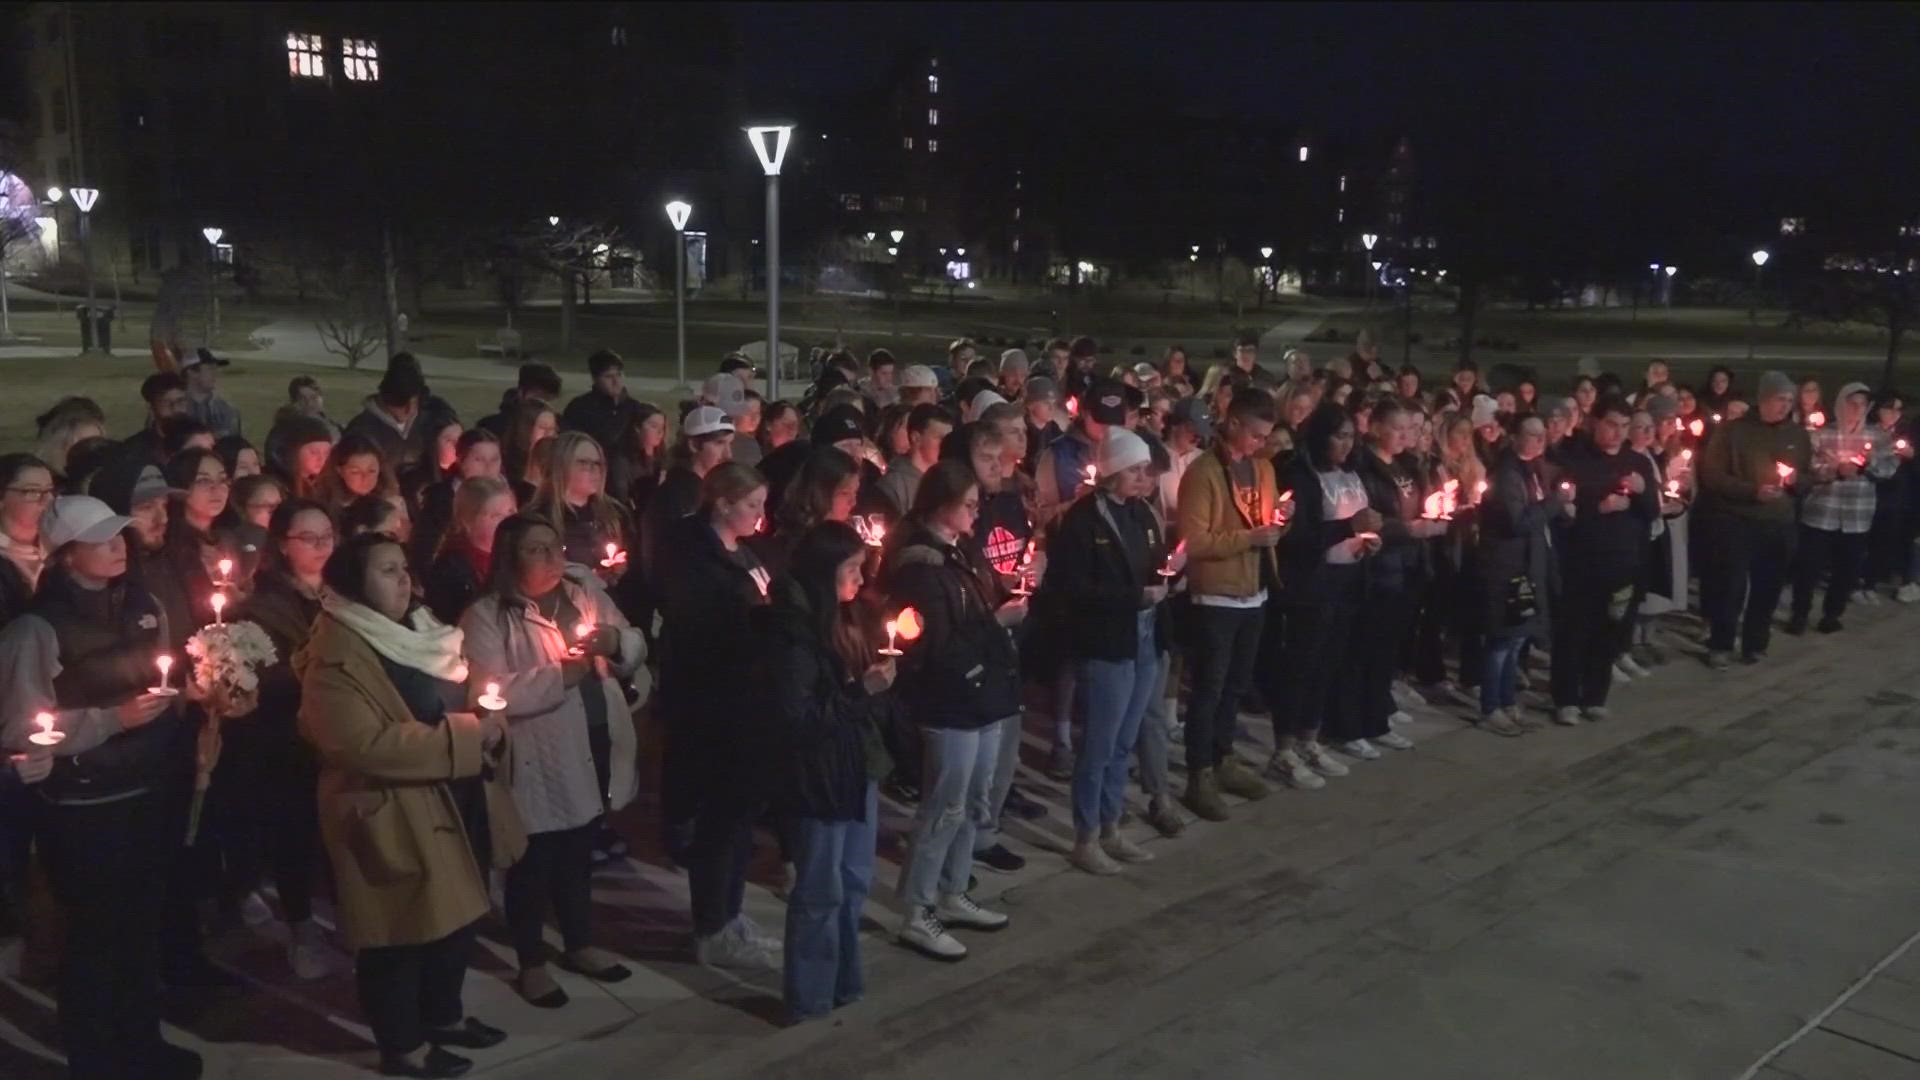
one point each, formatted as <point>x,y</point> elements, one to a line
<point>1770,493</point>
<point>33,766</point>
<point>879,677</point>
<point>604,641</point>
<point>1567,509</point>
<point>1370,542</point>
<point>574,670</point>
<point>1903,449</point>
<point>1153,594</point>
<point>1013,612</point>
<point>1615,503</point>
<point>493,730</point>
<point>142,710</point>
<point>1846,469</point>
<point>1265,536</point>
<point>1368,520</point>
<point>1671,507</point>
<point>1425,529</point>
<point>1636,483</point>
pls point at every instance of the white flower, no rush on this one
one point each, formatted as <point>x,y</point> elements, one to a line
<point>227,654</point>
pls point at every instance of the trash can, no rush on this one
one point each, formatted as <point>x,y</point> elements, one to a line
<point>103,328</point>
<point>86,328</point>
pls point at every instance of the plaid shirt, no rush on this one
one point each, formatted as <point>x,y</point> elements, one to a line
<point>1846,506</point>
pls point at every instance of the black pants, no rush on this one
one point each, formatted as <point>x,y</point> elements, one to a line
<point>1833,555</point>
<point>1746,565</point>
<point>408,990</point>
<point>1316,652</point>
<point>273,810</point>
<point>717,861</point>
<point>1373,655</point>
<point>1226,642</point>
<point>1586,631</point>
<point>557,869</point>
<point>107,866</point>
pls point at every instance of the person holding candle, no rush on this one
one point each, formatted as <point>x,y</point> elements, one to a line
<point>354,468</point>
<point>409,824</point>
<point>574,497</point>
<point>264,763</point>
<point>1102,580</point>
<point>463,562</point>
<point>26,491</point>
<point>818,723</point>
<point>1515,569</point>
<point>712,794</point>
<point>1746,514</point>
<point>1807,407</point>
<point>706,442</point>
<point>574,749</point>
<point>196,541</point>
<point>1889,541</point>
<point>84,652</point>
<point>1849,456</point>
<point>960,682</point>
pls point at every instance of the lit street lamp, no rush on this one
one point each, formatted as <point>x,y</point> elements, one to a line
<point>898,235</point>
<point>84,198</point>
<point>1667,297</point>
<point>1367,240</point>
<point>770,146</point>
<point>678,211</point>
<point>213,233</point>
<point>1760,257</point>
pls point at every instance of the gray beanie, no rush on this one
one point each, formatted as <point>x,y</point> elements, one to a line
<point>1013,360</point>
<point>1776,384</point>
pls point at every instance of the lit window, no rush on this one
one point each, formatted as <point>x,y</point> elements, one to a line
<point>850,202</point>
<point>1016,213</point>
<point>1343,185</point>
<point>933,84</point>
<point>1792,226</point>
<point>933,117</point>
<point>306,56</point>
<point>933,146</point>
<point>907,142</point>
<point>1303,153</point>
<point>934,63</point>
<point>360,59</point>
<point>1341,216</point>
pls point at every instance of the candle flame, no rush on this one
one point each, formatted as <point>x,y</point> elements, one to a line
<point>1697,427</point>
<point>1673,487</point>
<point>612,550</point>
<point>909,623</point>
<point>1686,455</point>
<point>893,627</point>
<point>226,567</point>
<point>1716,418</point>
<point>1073,406</point>
<point>45,720</point>
<point>1817,419</point>
<point>166,665</point>
<point>1785,470</point>
<point>493,690</point>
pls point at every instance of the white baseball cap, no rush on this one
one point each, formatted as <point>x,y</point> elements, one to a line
<point>919,376</point>
<point>726,391</point>
<point>80,518</point>
<point>984,400</point>
<point>1122,450</point>
<point>706,420</point>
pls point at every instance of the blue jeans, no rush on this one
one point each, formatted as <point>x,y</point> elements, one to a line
<point>1500,677</point>
<point>1118,692</point>
<point>956,797</point>
<point>833,870</point>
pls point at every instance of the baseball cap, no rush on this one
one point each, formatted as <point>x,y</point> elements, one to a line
<point>984,400</point>
<point>1192,412</point>
<point>80,518</point>
<point>919,377</point>
<point>1145,372</point>
<point>726,391</point>
<point>202,355</point>
<point>128,481</point>
<point>706,420</point>
<point>1106,403</point>
<point>837,423</point>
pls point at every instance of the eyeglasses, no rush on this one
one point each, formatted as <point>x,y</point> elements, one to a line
<point>590,463</point>
<point>37,494</point>
<point>313,539</point>
<point>268,505</point>
<point>208,482</point>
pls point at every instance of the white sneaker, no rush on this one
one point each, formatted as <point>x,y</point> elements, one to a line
<point>960,911</point>
<point>1405,696</point>
<point>1567,715</point>
<point>1287,767</point>
<point>254,910</point>
<point>1909,593</point>
<point>1399,718</point>
<point>1125,850</point>
<point>1634,667</point>
<point>307,952</point>
<point>1620,676</point>
<point>746,928</point>
<point>923,932</point>
<point>1317,759</point>
<point>1088,856</point>
<point>731,949</point>
<point>1361,749</point>
<point>1393,740</point>
<point>1599,712</point>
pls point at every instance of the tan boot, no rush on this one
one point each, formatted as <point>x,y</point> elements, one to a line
<point>1203,795</point>
<point>1236,777</point>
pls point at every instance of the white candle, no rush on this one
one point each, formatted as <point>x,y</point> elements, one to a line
<point>165,663</point>
<point>46,736</point>
<point>491,700</point>
<point>219,604</point>
<point>893,630</point>
<point>226,570</point>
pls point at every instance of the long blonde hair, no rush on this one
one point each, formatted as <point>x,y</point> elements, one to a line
<point>550,501</point>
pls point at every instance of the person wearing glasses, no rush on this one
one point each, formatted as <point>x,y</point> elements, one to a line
<point>574,498</point>
<point>265,763</point>
<point>196,541</point>
<point>28,492</point>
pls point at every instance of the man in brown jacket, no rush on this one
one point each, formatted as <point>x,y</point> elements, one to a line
<point>1227,516</point>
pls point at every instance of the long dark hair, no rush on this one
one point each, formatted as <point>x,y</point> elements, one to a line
<point>810,493</point>
<point>1326,421</point>
<point>346,570</point>
<point>333,491</point>
<point>503,578</point>
<point>943,485</point>
<point>815,568</point>
<point>273,561</point>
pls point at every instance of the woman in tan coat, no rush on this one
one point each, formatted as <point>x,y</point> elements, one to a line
<point>408,821</point>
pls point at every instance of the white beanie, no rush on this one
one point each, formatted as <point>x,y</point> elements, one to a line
<point>1122,450</point>
<point>1485,410</point>
<point>984,400</point>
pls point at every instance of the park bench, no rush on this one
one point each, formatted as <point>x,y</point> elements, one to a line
<point>506,345</point>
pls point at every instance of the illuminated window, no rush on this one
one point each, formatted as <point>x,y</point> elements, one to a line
<point>850,202</point>
<point>891,204</point>
<point>907,143</point>
<point>306,56</point>
<point>1341,216</point>
<point>1792,226</point>
<point>933,84</point>
<point>1303,153</point>
<point>933,117</point>
<point>933,146</point>
<point>1016,213</point>
<point>1343,185</point>
<point>360,59</point>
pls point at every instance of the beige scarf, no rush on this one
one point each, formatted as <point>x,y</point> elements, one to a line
<point>427,645</point>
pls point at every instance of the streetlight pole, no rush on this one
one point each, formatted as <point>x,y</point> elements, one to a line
<point>213,235</point>
<point>1760,257</point>
<point>1406,331</point>
<point>1367,240</point>
<point>84,198</point>
<point>1667,296</point>
<point>770,146</point>
<point>678,211</point>
<point>1266,277</point>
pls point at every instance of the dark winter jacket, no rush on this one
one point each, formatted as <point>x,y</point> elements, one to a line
<point>677,498</point>
<point>1096,577</point>
<point>604,418</point>
<point>1610,547</point>
<point>1397,494</point>
<point>962,671</point>
<point>286,614</point>
<point>1519,505</point>
<point>1305,574</point>
<point>708,599</point>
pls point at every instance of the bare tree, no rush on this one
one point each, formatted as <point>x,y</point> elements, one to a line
<point>354,326</point>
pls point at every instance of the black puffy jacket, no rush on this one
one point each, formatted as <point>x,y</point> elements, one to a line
<point>962,671</point>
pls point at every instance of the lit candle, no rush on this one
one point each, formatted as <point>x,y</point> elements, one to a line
<point>1697,428</point>
<point>46,736</point>
<point>614,557</point>
<point>491,700</point>
<point>1900,444</point>
<point>1673,488</point>
<point>1785,470</point>
<point>893,631</point>
<point>1073,406</point>
<point>226,570</point>
<point>1816,418</point>
<point>1716,418</point>
<point>1566,488</point>
<point>1093,475</point>
<point>876,532</point>
<point>219,605</point>
<point>1479,491</point>
<point>1686,455</point>
<point>165,663</point>
<point>581,632</point>
<point>1168,571</point>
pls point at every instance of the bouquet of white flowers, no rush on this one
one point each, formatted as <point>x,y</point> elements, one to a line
<point>226,683</point>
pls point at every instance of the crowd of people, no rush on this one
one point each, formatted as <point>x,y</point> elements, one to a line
<point>812,606</point>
